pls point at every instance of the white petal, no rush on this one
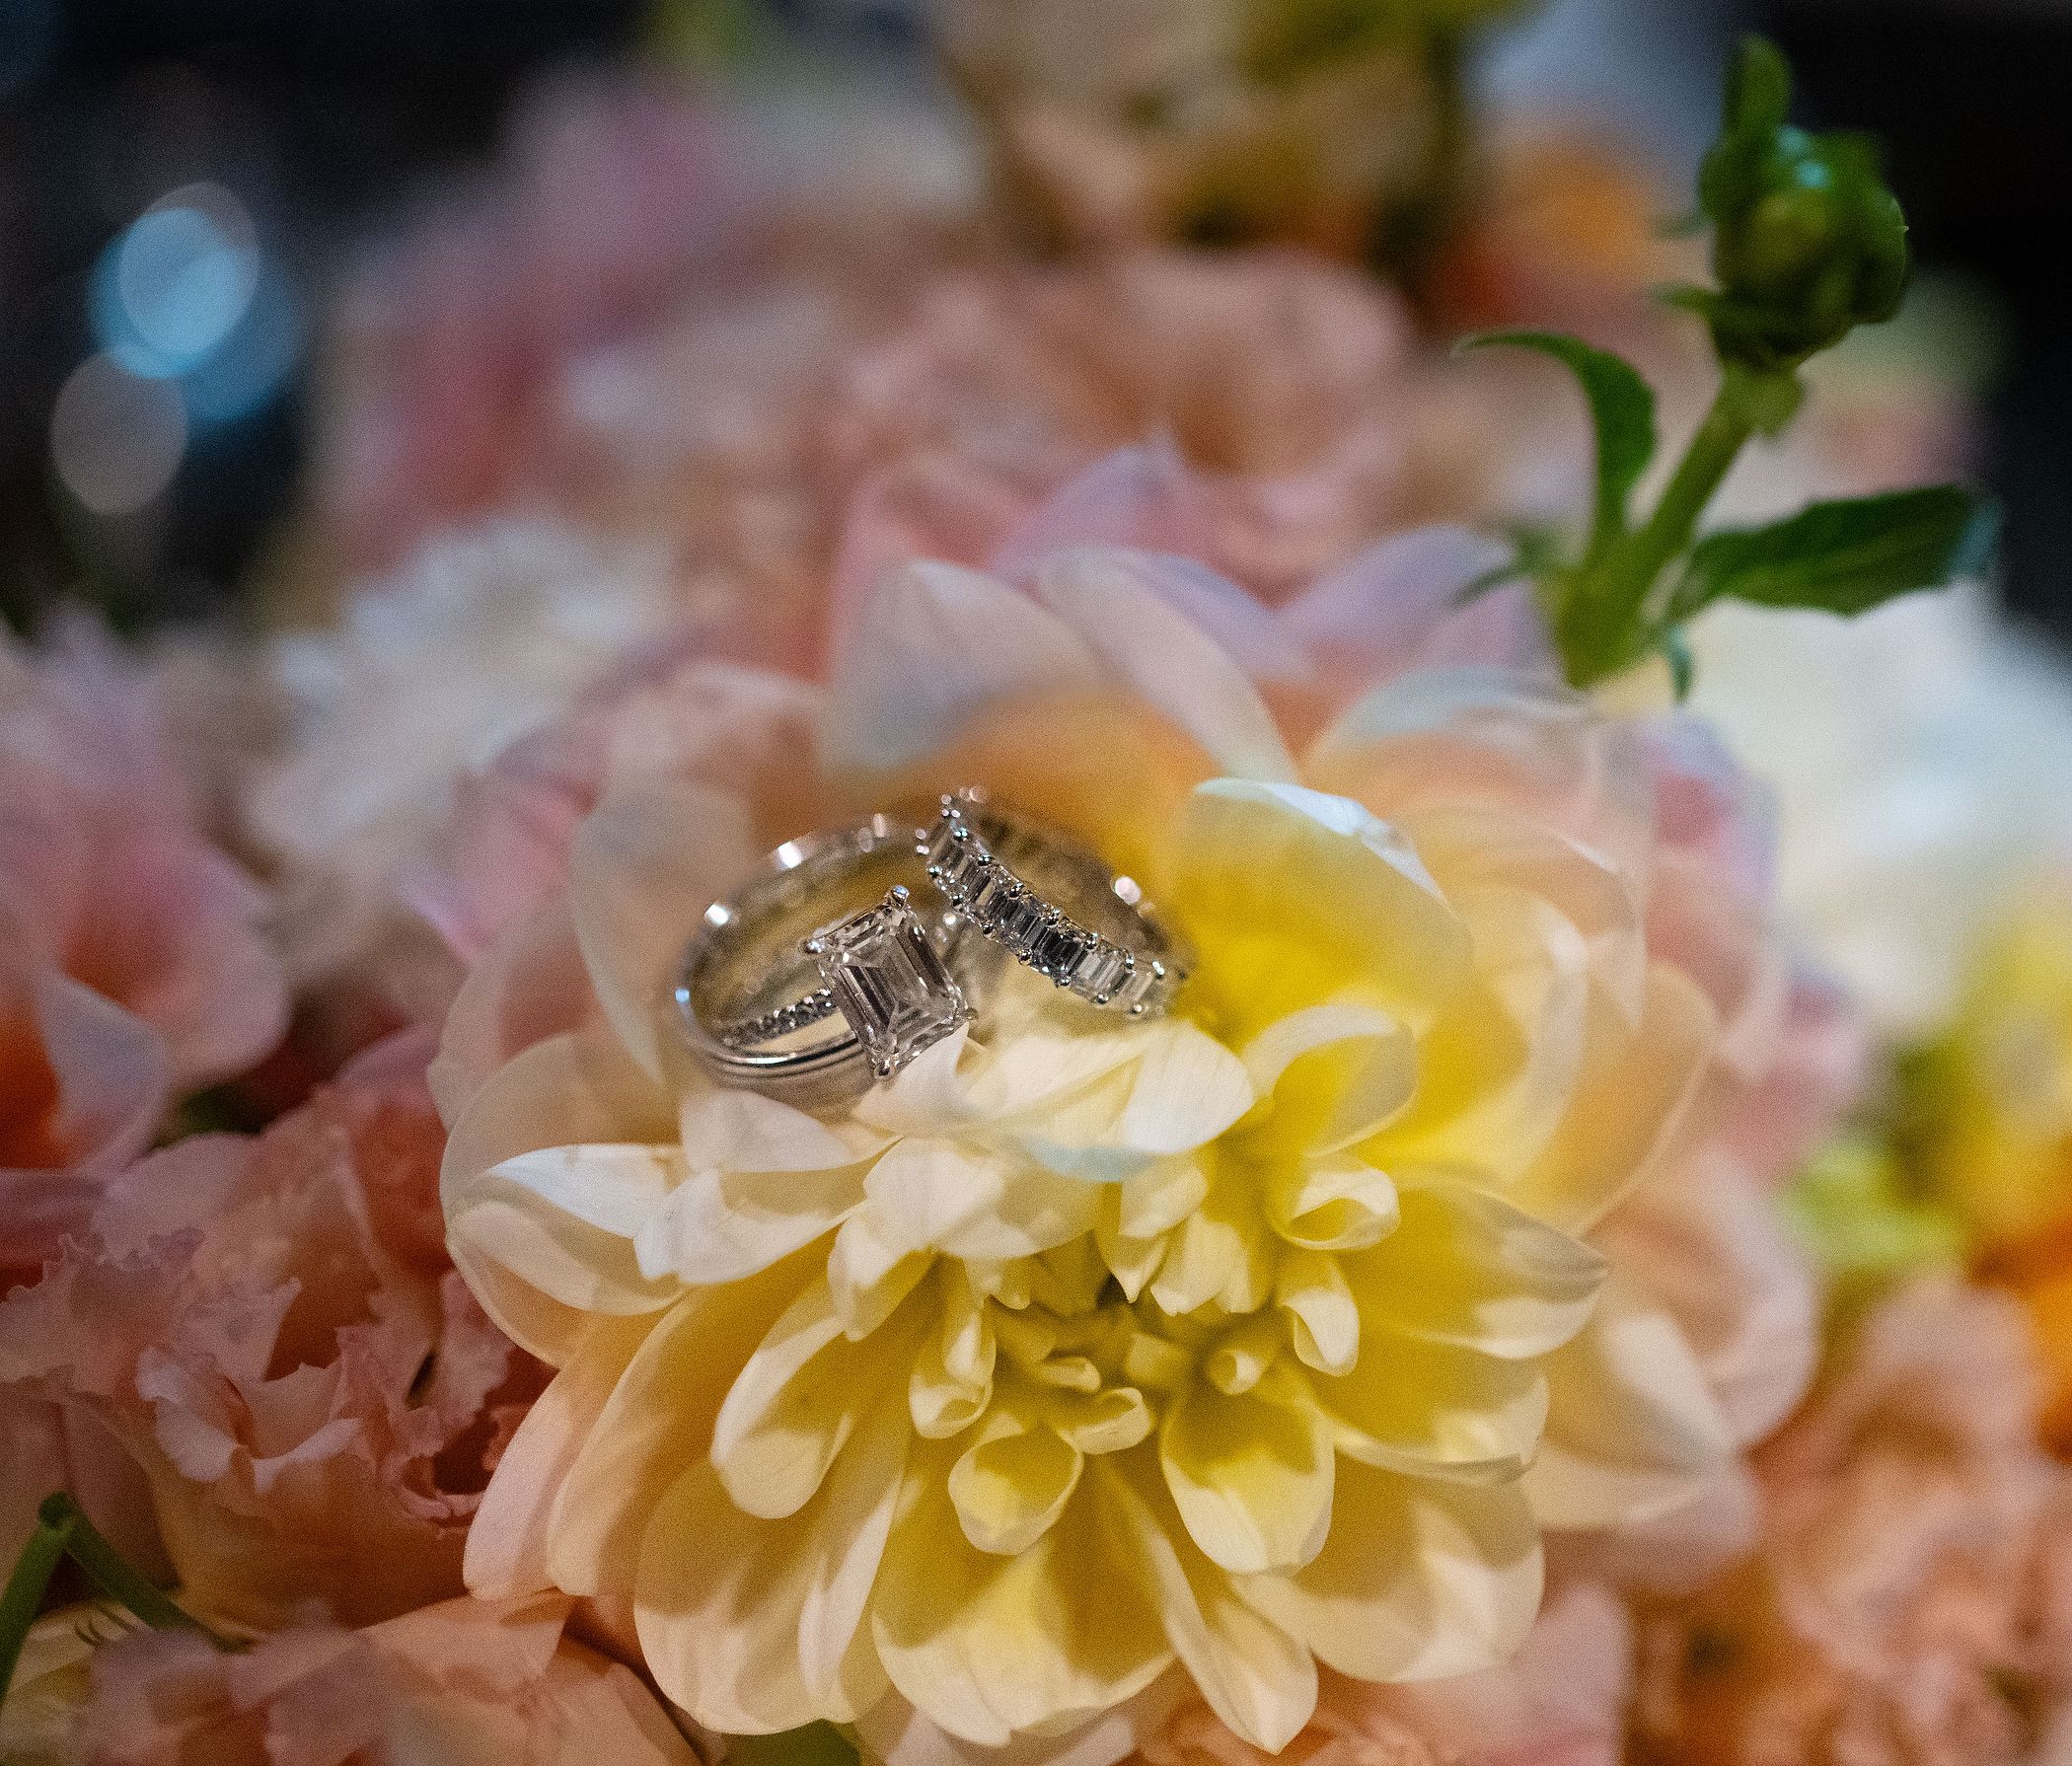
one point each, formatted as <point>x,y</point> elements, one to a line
<point>936,645</point>
<point>1116,601</point>
<point>645,864</point>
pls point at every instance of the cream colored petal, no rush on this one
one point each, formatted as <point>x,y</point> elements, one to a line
<point>612,1188</point>
<point>1221,1253</point>
<point>1332,1204</point>
<point>1250,1472</point>
<point>1158,1198</point>
<point>1087,1101</point>
<point>1471,848</point>
<point>1118,603</point>
<point>936,646</point>
<point>1010,1485</point>
<point>1435,1410</point>
<point>1298,899</point>
<point>1468,1268</point>
<point>1498,1072</point>
<point>1630,1099</point>
<point>745,1133</point>
<point>658,1418</point>
<point>1710,1247</point>
<point>751,1625</point>
<point>954,1198</point>
<point>796,1399</point>
<point>953,1378</point>
<point>645,865</point>
<point>1331,1074</point>
<point>507,1543</point>
<point>705,1230</point>
<point>991,1646</point>
<point>1324,1316</point>
<point>562,1222</point>
<point>895,1731</point>
<point>1632,1428</point>
<point>869,1276</point>
<point>1417,1580</point>
<point>1257,1679</point>
<point>568,1090</point>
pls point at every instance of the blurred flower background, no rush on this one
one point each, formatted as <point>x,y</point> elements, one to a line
<point>191,188</point>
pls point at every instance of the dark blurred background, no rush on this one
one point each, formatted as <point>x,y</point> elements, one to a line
<point>179,177</point>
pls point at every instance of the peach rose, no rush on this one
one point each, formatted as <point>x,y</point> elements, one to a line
<point>132,960</point>
<point>1910,1596</point>
<point>272,1332</point>
<point>463,1683</point>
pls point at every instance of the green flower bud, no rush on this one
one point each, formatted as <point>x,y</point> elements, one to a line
<point>1808,241</point>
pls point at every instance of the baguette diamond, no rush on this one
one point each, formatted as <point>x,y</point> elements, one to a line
<point>976,882</point>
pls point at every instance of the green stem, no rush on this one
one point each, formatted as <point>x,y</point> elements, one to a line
<point>1609,601</point>
<point>22,1597</point>
<point>63,1531</point>
<point>107,1570</point>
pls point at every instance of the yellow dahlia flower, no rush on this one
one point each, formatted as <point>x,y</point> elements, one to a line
<point>1080,1360</point>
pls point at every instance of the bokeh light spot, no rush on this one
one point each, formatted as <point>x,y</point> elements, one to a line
<point>176,282</point>
<point>115,437</point>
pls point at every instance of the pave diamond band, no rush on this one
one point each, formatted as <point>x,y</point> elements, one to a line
<point>822,972</point>
<point>977,854</point>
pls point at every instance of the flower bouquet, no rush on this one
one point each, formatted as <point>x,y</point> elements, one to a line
<point>935,1008</point>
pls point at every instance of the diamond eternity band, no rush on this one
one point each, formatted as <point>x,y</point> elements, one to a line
<point>1139,977</point>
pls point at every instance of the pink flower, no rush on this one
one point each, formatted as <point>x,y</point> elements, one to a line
<point>132,963</point>
<point>1910,1598</point>
<point>463,1683</point>
<point>272,1329</point>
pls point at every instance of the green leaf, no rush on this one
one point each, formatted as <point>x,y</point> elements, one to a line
<point>1844,558</point>
<point>817,1744</point>
<point>1621,409</point>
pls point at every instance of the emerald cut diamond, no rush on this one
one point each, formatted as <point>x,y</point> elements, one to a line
<point>889,983</point>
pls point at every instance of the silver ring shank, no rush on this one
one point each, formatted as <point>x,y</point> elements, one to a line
<point>792,895</point>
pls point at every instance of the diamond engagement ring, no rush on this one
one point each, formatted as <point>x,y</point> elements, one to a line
<point>771,994</point>
<point>994,867</point>
<point>823,972</point>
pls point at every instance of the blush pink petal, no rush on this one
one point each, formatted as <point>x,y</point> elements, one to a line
<point>1404,605</point>
<point>461,1683</point>
<point>81,1085</point>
